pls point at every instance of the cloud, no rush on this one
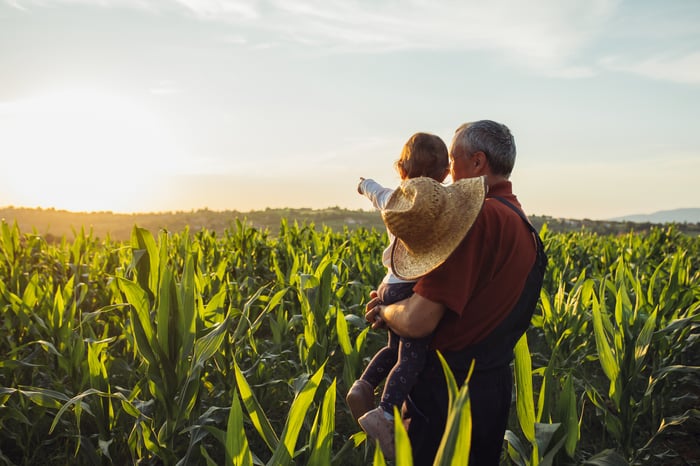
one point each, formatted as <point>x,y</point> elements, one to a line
<point>28,5</point>
<point>15,4</point>
<point>548,37</point>
<point>223,9</point>
<point>540,31</point>
<point>165,87</point>
<point>683,69</point>
<point>544,31</point>
<point>570,40</point>
<point>235,40</point>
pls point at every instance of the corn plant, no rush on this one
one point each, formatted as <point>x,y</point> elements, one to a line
<point>623,338</point>
<point>197,348</point>
<point>546,430</point>
<point>455,443</point>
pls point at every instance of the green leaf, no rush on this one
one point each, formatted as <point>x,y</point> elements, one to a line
<point>544,434</point>
<point>323,441</point>
<point>607,358</point>
<point>44,397</point>
<point>237,448</point>
<point>165,317</point>
<point>378,459</point>
<point>284,452</point>
<point>73,401</point>
<point>548,458</point>
<point>140,317</point>
<point>673,421</point>
<point>187,307</point>
<point>343,334</point>
<point>641,344</point>
<point>569,416</point>
<point>255,411</point>
<point>455,444</point>
<point>452,389</point>
<point>143,343</point>
<point>143,243</point>
<point>402,444</point>
<point>525,405</point>
<point>517,451</point>
<point>606,458</point>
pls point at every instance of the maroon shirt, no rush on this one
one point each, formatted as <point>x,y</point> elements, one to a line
<point>481,281</point>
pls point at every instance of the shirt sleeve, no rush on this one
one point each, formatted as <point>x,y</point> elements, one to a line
<point>375,192</point>
<point>453,283</point>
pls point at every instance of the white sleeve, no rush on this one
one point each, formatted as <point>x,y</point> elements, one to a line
<point>375,192</point>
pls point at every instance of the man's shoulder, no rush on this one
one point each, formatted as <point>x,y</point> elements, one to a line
<point>498,222</point>
<point>495,210</point>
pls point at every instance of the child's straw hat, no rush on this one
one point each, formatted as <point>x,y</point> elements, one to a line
<point>429,220</point>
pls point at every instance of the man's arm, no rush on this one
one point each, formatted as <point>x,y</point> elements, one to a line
<point>415,317</point>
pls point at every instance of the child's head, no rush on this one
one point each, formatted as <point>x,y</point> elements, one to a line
<point>424,155</point>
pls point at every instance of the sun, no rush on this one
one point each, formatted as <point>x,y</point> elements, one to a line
<point>81,150</point>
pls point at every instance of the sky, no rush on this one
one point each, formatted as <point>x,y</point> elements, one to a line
<point>179,105</point>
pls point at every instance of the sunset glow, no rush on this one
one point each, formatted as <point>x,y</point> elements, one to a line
<point>81,150</point>
<point>165,105</point>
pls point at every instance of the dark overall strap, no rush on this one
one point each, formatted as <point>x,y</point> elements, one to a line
<point>496,350</point>
<point>521,215</point>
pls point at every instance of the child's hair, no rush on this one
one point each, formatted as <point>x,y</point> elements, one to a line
<point>423,155</point>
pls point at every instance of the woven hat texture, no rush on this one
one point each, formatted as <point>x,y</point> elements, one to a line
<point>429,220</point>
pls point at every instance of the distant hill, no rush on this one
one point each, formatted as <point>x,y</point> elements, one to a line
<point>56,224</point>
<point>690,215</point>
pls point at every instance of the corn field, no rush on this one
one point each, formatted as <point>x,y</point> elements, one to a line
<point>188,348</point>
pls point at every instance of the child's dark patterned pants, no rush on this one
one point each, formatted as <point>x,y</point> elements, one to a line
<point>401,360</point>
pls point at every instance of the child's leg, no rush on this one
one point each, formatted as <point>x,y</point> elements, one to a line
<point>386,358</point>
<point>411,360</point>
<point>390,293</point>
<point>382,362</point>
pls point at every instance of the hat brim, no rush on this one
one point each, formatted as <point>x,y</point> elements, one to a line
<point>465,200</point>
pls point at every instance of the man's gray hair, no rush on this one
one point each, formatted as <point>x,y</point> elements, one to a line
<point>493,139</point>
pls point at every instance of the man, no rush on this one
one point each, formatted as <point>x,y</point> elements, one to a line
<point>477,303</point>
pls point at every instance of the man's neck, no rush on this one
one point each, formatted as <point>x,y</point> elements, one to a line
<point>492,180</point>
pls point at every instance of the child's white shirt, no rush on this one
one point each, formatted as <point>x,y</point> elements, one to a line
<point>379,195</point>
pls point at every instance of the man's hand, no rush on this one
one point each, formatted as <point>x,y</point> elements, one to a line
<point>372,311</point>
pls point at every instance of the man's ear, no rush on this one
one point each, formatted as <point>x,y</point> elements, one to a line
<point>479,161</point>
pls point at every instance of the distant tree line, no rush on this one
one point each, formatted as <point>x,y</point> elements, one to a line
<point>55,224</point>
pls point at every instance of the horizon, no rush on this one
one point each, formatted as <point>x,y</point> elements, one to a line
<point>627,217</point>
<point>144,106</point>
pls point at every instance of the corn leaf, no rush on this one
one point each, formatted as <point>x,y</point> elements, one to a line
<point>455,444</point>
<point>607,358</point>
<point>323,432</point>
<point>402,444</point>
<point>237,448</point>
<point>641,345</point>
<point>284,453</point>
<point>187,310</point>
<point>378,459</point>
<point>524,395</point>
<point>452,389</point>
<point>255,411</point>
<point>569,415</point>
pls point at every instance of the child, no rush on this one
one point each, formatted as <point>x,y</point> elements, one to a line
<point>402,359</point>
<point>429,220</point>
